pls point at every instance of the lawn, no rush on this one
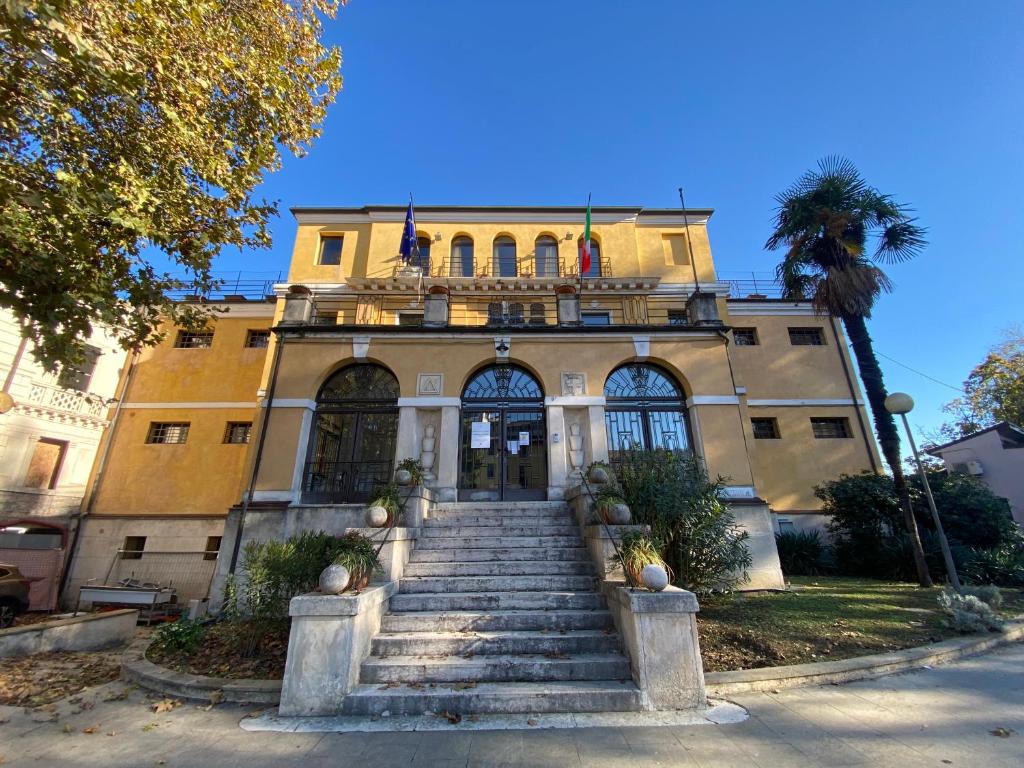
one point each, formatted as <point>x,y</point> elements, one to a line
<point>821,619</point>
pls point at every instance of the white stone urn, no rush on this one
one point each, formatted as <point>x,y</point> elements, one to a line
<point>654,577</point>
<point>427,453</point>
<point>403,476</point>
<point>598,475</point>
<point>575,447</point>
<point>334,579</point>
<point>376,516</point>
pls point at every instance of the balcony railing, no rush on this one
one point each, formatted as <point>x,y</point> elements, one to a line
<point>526,267</point>
<point>67,400</point>
<point>233,286</point>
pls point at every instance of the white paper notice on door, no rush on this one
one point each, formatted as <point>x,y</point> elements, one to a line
<point>524,438</point>
<point>513,447</point>
<point>480,437</point>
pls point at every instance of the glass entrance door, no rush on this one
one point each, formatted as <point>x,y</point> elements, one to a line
<point>503,455</point>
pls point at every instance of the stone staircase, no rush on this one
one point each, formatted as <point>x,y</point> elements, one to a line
<point>498,612</point>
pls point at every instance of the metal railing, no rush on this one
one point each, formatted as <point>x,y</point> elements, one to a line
<point>339,482</point>
<point>526,267</point>
<point>607,529</point>
<point>232,286</point>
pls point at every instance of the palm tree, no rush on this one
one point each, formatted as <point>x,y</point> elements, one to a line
<point>825,221</point>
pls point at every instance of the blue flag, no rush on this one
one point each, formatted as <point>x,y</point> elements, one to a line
<point>408,249</point>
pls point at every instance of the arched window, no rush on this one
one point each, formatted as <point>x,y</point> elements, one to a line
<point>595,257</point>
<point>422,258</point>
<point>352,447</point>
<point>461,264</point>
<point>645,410</point>
<point>505,261</point>
<point>503,383</point>
<point>546,256</point>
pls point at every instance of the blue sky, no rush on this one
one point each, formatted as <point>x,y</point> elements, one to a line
<point>542,102</point>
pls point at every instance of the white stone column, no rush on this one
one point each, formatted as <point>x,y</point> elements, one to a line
<point>446,465</point>
<point>557,469</point>
<point>597,440</point>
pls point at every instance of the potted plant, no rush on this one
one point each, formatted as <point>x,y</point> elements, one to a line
<point>385,508</point>
<point>358,555</point>
<point>410,472</point>
<point>638,550</point>
<point>611,507</point>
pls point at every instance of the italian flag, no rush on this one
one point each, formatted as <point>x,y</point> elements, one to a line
<point>585,245</point>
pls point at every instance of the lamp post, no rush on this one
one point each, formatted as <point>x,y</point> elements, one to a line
<point>900,403</point>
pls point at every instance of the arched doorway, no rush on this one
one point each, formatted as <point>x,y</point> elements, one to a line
<point>645,409</point>
<point>503,449</point>
<point>352,450</point>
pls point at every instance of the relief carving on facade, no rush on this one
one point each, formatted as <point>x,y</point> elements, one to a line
<point>574,384</point>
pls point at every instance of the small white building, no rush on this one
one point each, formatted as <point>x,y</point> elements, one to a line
<point>50,434</point>
<point>996,456</point>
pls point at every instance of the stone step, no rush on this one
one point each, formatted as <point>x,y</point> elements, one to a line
<point>501,642</point>
<point>496,698</point>
<point>508,568</point>
<point>565,554</point>
<point>456,507</point>
<point>498,542</point>
<point>498,601</point>
<point>502,520</point>
<point>494,669</point>
<point>477,531</point>
<point>494,621</point>
<point>543,583</point>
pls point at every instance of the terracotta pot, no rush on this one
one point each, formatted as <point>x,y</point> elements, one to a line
<point>566,289</point>
<point>634,576</point>
<point>358,580</point>
<point>437,290</point>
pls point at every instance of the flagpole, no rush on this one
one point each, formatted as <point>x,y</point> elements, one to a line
<point>579,262</point>
<point>689,250</point>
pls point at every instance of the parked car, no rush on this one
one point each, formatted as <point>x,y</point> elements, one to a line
<point>13,594</point>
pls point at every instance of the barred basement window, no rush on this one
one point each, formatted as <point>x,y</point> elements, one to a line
<point>830,428</point>
<point>212,547</point>
<point>133,547</point>
<point>806,337</point>
<point>765,428</point>
<point>194,340</point>
<point>745,337</point>
<point>257,339</point>
<point>237,432</point>
<point>167,432</point>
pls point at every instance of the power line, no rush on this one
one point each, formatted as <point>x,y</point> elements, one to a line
<point>919,373</point>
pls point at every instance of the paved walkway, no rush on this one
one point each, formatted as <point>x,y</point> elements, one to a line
<point>938,717</point>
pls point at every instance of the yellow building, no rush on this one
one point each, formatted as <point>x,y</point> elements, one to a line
<point>490,360</point>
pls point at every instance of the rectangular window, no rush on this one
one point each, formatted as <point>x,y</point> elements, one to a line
<point>133,547</point>
<point>212,547</point>
<point>785,525</point>
<point>164,432</point>
<point>806,337</point>
<point>78,376</point>
<point>330,250</point>
<point>596,318</point>
<point>678,317</point>
<point>326,318</point>
<point>765,429</point>
<point>258,339</point>
<point>194,340</point>
<point>44,467</point>
<point>830,428</point>
<point>745,337</point>
<point>410,318</point>
<point>237,432</point>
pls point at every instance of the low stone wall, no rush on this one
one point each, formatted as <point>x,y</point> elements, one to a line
<point>87,632</point>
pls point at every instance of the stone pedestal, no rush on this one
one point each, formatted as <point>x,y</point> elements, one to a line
<point>329,640</point>
<point>659,634</point>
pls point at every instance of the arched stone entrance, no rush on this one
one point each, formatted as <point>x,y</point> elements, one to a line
<point>503,443</point>
<point>645,409</point>
<point>352,447</point>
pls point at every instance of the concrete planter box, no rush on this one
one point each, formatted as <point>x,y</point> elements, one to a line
<point>88,632</point>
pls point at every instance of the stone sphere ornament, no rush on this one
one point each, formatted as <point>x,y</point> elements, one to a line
<point>376,517</point>
<point>403,477</point>
<point>598,475</point>
<point>654,577</point>
<point>619,514</point>
<point>334,579</point>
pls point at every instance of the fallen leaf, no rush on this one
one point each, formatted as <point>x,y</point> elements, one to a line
<point>91,729</point>
<point>452,717</point>
<point>216,697</point>
<point>165,705</point>
<point>149,727</point>
<point>1002,733</point>
<point>531,721</point>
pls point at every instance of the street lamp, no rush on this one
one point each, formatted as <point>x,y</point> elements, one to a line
<point>900,403</point>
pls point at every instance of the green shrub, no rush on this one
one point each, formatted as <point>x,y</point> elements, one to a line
<point>638,550</point>
<point>999,565</point>
<point>695,529</point>
<point>802,553</point>
<point>966,613</point>
<point>181,635</point>
<point>358,554</point>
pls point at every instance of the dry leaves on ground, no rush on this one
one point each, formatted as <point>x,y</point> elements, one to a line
<point>43,678</point>
<point>165,705</point>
